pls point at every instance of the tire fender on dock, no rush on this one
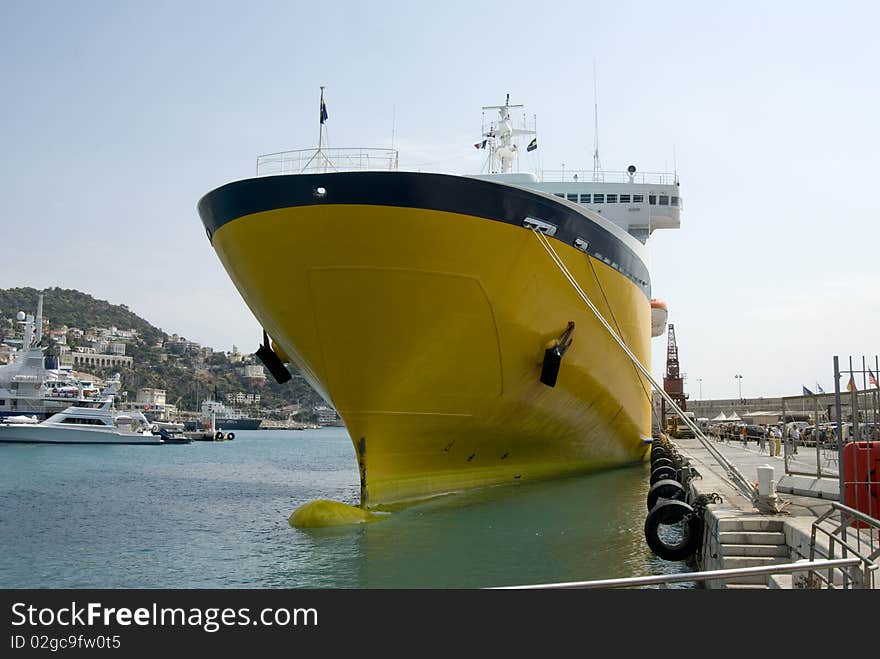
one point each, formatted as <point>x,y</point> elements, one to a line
<point>663,472</point>
<point>668,512</point>
<point>666,489</point>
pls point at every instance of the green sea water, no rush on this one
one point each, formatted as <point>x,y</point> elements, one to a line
<point>214,515</point>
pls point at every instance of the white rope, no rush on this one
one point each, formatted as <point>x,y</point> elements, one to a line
<point>748,488</point>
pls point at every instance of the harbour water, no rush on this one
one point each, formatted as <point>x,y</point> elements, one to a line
<point>214,515</point>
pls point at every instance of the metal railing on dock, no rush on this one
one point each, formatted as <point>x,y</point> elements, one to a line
<point>812,567</point>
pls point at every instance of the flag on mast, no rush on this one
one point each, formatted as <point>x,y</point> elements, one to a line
<point>807,392</point>
<point>851,385</point>
<point>872,379</point>
<point>324,114</point>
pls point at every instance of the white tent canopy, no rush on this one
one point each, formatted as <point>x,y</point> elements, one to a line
<point>734,417</point>
<point>720,417</point>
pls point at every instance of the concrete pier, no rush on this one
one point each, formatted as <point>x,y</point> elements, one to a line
<point>737,535</point>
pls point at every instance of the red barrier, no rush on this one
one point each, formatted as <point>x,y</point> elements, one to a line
<point>861,475</point>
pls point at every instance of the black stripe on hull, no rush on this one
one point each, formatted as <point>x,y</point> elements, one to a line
<point>439,192</point>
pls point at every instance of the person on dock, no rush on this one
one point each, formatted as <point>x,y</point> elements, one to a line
<point>777,441</point>
<point>762,438</point>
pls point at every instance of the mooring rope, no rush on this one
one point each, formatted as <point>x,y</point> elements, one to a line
<point>747,487</point>
<point>617,325</point>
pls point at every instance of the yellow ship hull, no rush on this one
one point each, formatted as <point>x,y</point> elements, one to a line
<point>426,330</point>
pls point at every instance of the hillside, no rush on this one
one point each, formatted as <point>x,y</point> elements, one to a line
<point>75,309</point>
<point>188,376</point>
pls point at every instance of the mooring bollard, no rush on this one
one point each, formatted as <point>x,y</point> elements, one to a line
<point>766,482</point>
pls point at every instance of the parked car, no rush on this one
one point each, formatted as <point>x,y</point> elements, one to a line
<point>754,432</point>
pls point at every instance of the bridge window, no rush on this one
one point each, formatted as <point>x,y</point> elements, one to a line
<point>624,199</point>
<point>652,199</point>
<point>638,199</point>
<point>598,198</point>
<point>585,199</point>
<point>559,194</point>
<point>83,422</point>
<point>675,201</point>
<point>572,197</point>
<point>611,199</point>
<point>664,200</point>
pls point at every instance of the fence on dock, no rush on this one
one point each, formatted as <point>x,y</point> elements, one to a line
<point>835,423</point>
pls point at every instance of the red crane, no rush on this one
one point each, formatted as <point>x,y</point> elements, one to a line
<point>673,384</point>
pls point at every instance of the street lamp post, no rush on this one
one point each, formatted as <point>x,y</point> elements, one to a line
<point>739,379</point>
<point>700,380</point>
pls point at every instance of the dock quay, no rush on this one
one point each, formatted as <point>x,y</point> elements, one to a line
<point>793,518</point>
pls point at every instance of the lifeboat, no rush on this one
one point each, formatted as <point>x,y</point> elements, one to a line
<point>659,312</point>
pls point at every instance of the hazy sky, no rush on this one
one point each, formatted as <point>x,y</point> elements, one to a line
<point>118,116</point>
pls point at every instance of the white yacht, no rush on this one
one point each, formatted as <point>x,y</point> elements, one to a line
<point>82,424</point>
<point>35,385</point>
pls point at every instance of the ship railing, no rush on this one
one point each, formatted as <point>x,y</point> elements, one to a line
<point>808,569</point>
<point>318,161</point>
<point>585,176</point>
<point>858,541</point>
<point>21,377</point>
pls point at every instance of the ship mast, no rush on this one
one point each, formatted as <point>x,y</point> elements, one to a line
<point>323,111</point>
<point>38,334</point>
<point>500,138</point>
<point>319,154</point>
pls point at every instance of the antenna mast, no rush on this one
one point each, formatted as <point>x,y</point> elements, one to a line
<point>393,122</point>
<point>597,166</point>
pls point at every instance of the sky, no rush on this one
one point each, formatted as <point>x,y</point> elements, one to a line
<point>117,117</point>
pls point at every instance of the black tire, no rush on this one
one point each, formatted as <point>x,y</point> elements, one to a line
<point>660,452</point>
<point>659,462</point>
<point>666,489</point>
<point>668,512</point>
<point>664,472</point>
<point>218,436</point>
<point>230,435</point>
